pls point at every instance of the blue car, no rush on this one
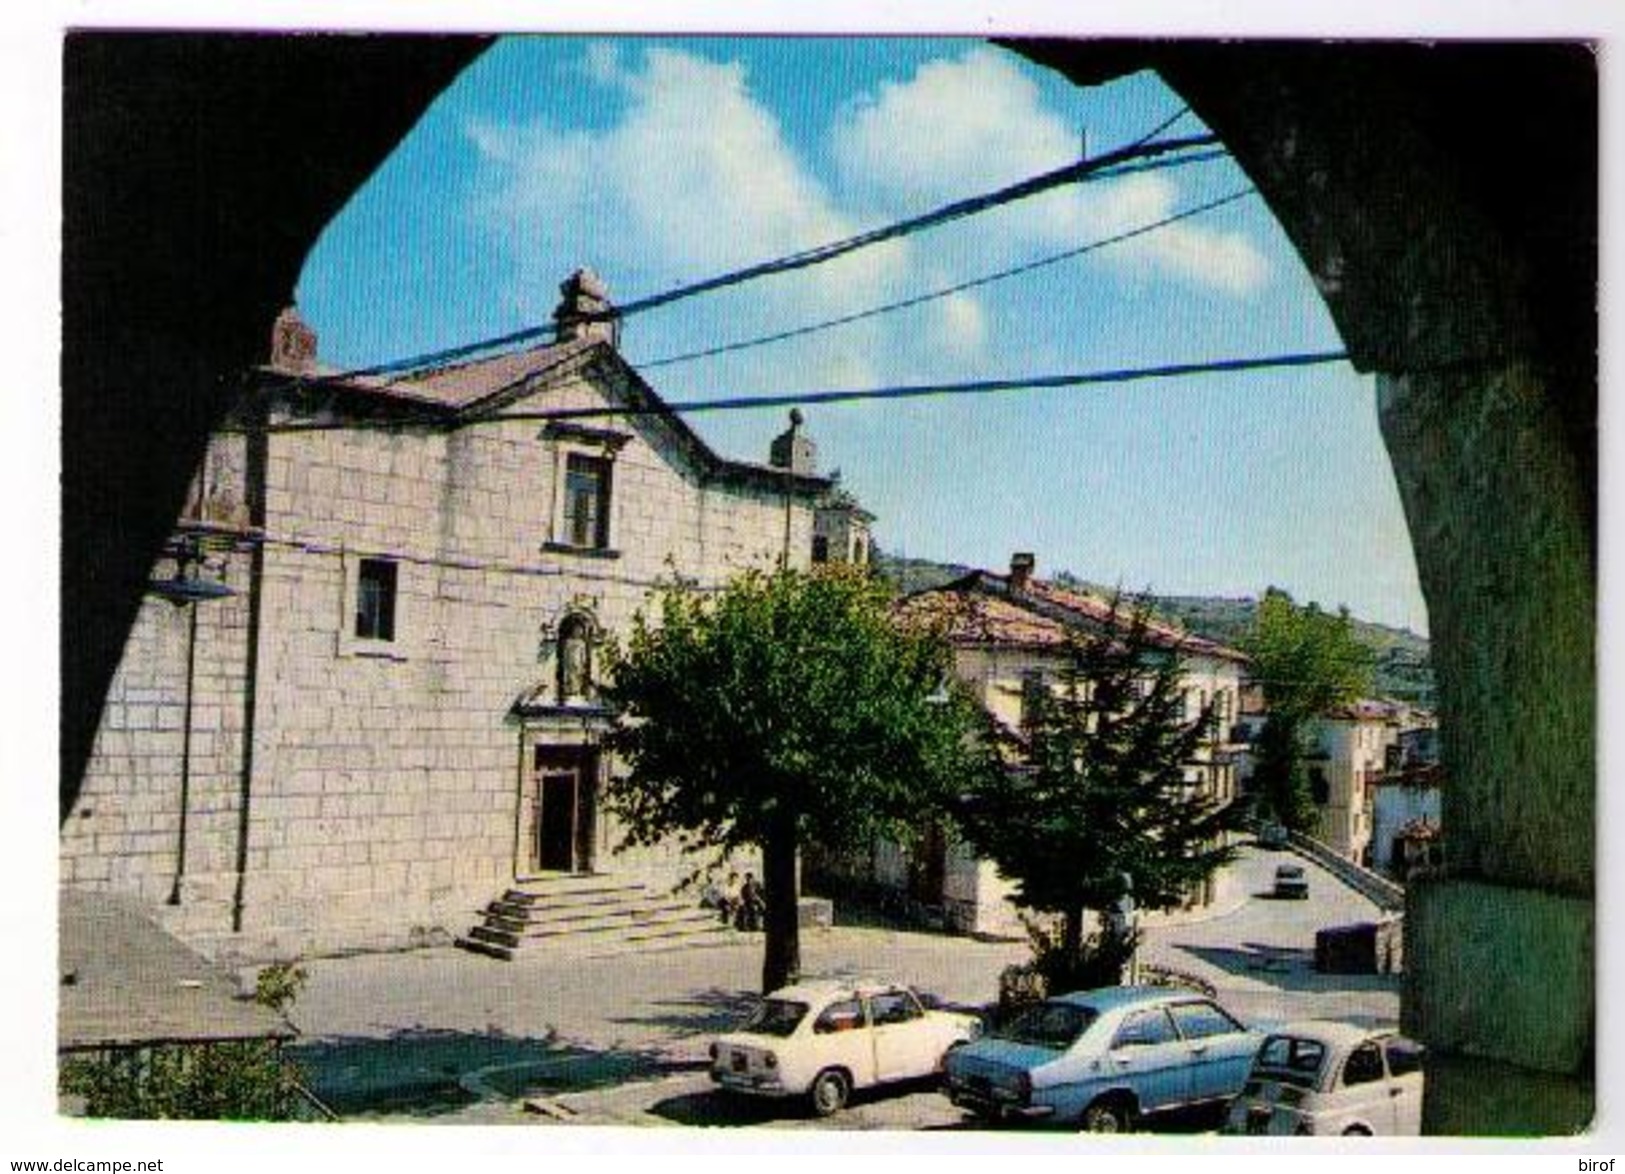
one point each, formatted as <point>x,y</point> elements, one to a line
<point>1100,1060</point>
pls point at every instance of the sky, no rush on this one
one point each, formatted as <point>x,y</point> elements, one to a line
<point>659,162</point>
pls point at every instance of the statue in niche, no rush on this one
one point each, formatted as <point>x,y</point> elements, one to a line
<point>575,661</point>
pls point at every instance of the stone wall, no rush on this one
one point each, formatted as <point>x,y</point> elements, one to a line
<point>384,775</point>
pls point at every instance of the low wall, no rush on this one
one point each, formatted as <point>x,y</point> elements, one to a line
<point>1387,895</point>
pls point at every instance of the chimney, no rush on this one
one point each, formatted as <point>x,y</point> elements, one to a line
<point>1021,569</point>
<point>293,344</point>
<point>792,449</point>
<point>584,309</point>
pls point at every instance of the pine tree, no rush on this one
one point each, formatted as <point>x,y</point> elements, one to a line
<point>1097,805</point>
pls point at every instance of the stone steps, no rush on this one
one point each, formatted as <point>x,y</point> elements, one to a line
<point>588,914</point>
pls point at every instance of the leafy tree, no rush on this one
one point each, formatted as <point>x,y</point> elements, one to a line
<point>1097,807</point>
<point>1308,662</point>
<point>785,708</point>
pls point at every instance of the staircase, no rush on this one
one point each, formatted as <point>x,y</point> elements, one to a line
<point>591,916</point>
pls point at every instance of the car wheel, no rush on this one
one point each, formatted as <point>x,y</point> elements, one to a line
<point>1107,1115</point>
<point>829,1091</point>
<point>1356,1131</point>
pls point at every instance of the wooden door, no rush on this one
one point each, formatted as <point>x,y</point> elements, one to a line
<point>562,782</point>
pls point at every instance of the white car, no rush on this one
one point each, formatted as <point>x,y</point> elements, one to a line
<point>1329,1079</point>
<point>822,1039</point>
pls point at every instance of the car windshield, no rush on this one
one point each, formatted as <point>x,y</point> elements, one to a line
<point>1291,1060</point>
<point>1049,1025</point>
<point>775,1017</point>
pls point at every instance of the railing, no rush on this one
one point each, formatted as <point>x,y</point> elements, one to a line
<point>1387,895</point>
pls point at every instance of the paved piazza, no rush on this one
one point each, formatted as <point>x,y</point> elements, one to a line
<point>448,1037</point>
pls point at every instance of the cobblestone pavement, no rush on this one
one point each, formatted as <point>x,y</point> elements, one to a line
<point>445,1036</point>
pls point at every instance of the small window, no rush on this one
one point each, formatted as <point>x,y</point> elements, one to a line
<point>894,1007</point>
<point>1364,1065</point>
<point>375,599</point>
<point>846,1015</point>
<point>1201,1020</point>
<point>1145,1029</point>
<point>820,549</point>
<point>586,501</point>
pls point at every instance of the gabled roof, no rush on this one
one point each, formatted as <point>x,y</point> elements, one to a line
<point>467,393</point>
<point>1365,709</point>
<point>983,608</point>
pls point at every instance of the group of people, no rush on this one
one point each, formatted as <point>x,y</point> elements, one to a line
<point>738,903</point>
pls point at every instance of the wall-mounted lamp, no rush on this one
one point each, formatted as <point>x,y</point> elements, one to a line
<point>187,586</point>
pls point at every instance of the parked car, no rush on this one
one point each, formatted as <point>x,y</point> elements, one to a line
<point>1290,881</point>
<point>1320,1078</point>
<point>1102,1059</point>
<point>1273,835</point>
<point>823,1039</point>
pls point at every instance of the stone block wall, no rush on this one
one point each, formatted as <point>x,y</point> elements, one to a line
<point>385,775</point>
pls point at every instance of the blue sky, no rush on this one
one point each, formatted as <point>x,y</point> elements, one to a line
<point>662,161</point>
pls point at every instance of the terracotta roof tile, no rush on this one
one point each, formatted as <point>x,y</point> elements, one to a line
<point>983,608</point>
<point>969,618</point>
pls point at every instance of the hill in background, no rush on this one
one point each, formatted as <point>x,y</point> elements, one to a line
<point>1404,669</point>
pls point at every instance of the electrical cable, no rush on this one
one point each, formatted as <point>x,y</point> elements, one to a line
<point>920,390</point>
<point>1088,170</point>
<point>946,291</point>
<point>907,391</point>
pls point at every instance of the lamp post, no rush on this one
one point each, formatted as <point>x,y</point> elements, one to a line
<point>186,588</point>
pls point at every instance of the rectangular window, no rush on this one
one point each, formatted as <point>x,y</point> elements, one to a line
<point>586,501</point>
<point>820,549</point>
<point>375,600</point>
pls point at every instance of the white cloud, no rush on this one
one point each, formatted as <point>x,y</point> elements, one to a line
<point>973,123</point>
<point>603,63</point>
<point>956,127</point>
<point>962,324</point>
<point>695,178</point>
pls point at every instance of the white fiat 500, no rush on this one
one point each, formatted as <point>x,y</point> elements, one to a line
<point>823,1039</point>
<point>1321,1079</point>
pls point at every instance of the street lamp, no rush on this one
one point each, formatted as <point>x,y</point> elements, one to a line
<point>187,588</point>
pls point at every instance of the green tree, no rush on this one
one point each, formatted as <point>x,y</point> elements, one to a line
<point>1308,662</point>
<point>1097,806</point>
<point>784,708</point>
<point>237,1080</point>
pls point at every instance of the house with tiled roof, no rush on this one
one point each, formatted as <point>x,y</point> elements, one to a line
<point>360,704</point>
<point>1009,634</point>
<point>1372,770</point>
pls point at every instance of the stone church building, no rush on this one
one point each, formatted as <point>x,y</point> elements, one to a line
<point>360,701</point>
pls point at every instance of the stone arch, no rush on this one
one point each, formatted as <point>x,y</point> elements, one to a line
<point>1443,197</point>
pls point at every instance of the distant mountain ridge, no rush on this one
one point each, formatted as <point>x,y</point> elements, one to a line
<point>1404,667</point>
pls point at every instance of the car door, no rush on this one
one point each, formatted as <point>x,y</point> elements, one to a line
<point>1364,1090</point>
<point>842,1038</point>
<point>1404,1058</point>
<point>1148,1057</point>
<point>1219,1050</point>
<point>903,1040</point>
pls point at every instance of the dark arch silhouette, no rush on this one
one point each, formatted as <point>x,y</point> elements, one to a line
<point>1443,197</point>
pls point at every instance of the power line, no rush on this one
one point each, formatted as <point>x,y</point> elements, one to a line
<point>921,390</point>
<point>946,291</point>
<point>1084,171</point>
<point>905,303</point>
<point>909,391</point>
